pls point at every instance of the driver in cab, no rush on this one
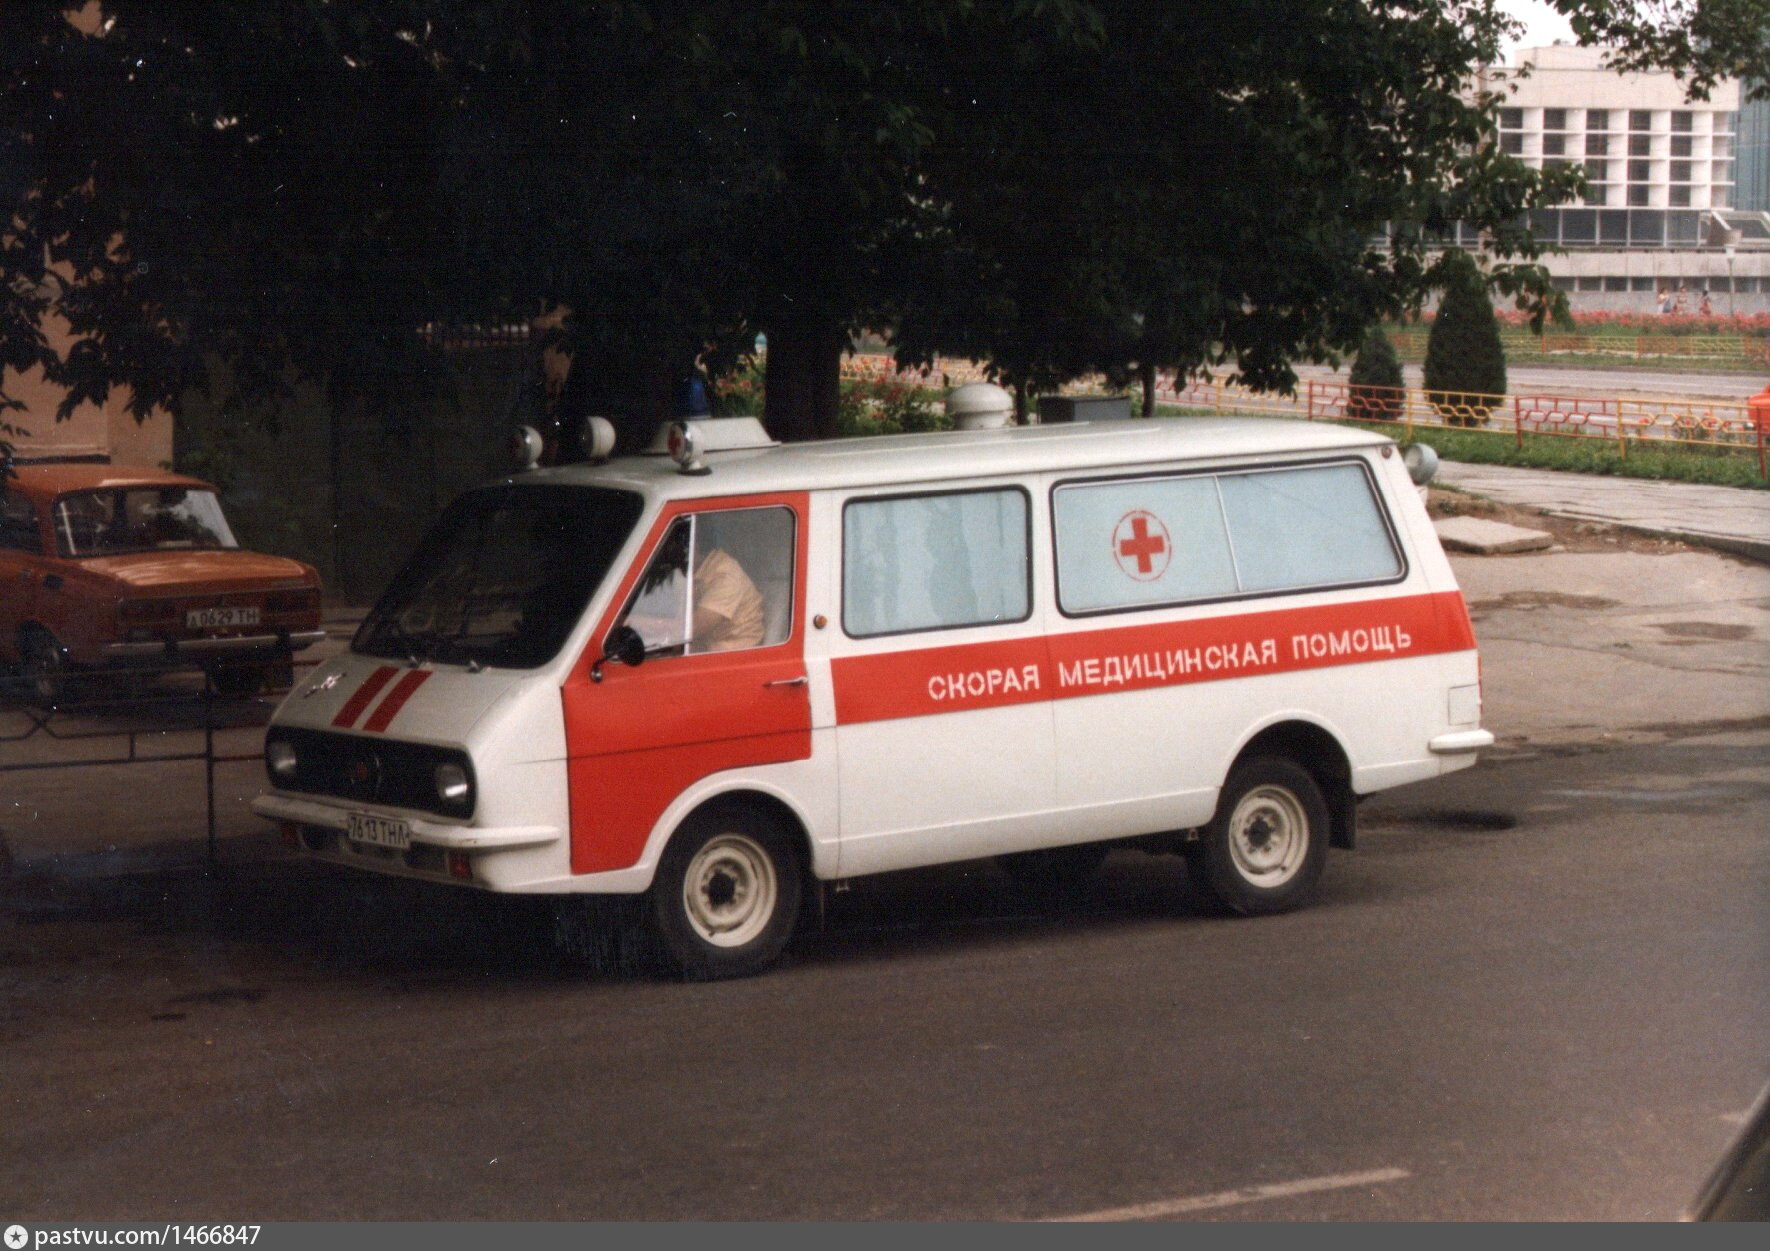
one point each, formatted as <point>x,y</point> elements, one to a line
<point>728,613</point>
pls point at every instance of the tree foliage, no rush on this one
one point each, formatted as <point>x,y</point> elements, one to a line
<point>295,188</point>
<point>1465,369</point>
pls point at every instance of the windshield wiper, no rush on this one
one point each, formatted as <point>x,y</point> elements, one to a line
<point>415,652</point>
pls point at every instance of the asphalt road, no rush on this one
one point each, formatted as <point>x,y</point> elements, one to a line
<point>1540,990</point>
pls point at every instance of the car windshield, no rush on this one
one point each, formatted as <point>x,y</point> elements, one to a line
<point>113,521</point>
<point>502,577</point>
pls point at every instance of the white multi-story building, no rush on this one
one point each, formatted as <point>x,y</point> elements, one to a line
<point>1658,214</point>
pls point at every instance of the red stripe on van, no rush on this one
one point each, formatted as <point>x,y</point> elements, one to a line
<point>371,687</point>
<point>396,699</point>
<point>934,680</point>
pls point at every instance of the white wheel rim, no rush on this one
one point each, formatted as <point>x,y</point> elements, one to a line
<point>729,891</point>
<point>1268,836</point>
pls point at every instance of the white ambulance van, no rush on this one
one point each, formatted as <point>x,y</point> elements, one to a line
<point>723,673</point>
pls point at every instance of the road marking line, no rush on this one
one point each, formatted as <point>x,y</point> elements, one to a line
<point>1229,1198</point>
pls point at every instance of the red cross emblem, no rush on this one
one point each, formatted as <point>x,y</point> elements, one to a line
<point>1140,545</point>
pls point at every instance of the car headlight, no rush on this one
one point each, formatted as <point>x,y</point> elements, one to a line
<point>452,785</point>
<point>279,757</point>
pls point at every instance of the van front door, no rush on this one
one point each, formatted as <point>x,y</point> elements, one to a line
<point>718,599</point>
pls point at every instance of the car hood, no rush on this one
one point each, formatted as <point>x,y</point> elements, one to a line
<point>212,569</point>
<point>367,695</point>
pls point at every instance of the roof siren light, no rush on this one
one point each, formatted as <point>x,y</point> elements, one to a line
<point>598,437</point>
<point>1421,461</point>
<point>685,448</point>
<point>526,448</point>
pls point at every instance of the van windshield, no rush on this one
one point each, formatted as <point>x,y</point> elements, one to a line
<point>502,577</point>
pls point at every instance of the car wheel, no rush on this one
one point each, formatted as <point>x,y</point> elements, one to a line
<point>237,681</point>
<point>1265,848</point>
<point>45,671</point>
<point>1054,867</point>
<point>727,892</point>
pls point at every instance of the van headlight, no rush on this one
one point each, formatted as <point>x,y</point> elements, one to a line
<point>281,760</point>
<point>453,787</point>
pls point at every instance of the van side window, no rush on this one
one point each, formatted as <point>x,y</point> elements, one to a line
<point>720,581</point>
<point>933,562</point>
<point>1145,542</point>
<point>18,523</point>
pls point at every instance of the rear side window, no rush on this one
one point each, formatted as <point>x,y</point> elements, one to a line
<point>935,562</point>
<point>18,523</point>
<point>1152,541</point>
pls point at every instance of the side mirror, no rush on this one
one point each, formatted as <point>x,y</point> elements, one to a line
<point>624,647</point>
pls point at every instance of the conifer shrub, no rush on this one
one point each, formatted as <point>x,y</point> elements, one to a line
<point>1377,385</point>
<point>1465,364</point>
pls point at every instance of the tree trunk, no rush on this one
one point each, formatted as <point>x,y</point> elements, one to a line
<point>1148,371</point>
<point>803,378</point>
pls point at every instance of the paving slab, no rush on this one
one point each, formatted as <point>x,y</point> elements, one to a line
<point>1729,519</point>
<point>1489,538</point>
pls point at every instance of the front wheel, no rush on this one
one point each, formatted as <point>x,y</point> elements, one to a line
<point>1265,848</point>
<point>46,671</point>
<point>727,892</point>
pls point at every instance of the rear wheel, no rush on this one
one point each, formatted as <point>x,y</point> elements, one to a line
<point>727,892</point>
<point>1265,848</point>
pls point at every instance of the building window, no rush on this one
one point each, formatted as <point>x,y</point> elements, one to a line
<point>1680,171</point>
<point>1721,171</point>
<point>1680,197</point>
<point>1616,282</point>
<point>1597,119</point>
<point>1554,119</point>
<point>1589,283</point>
<point>1639,283</point>
<point>1597,145</point>
<point>1512,143</point>
<point>1597,171</point>
<point>1579,226</point>
<point>1640,171</point>
<point>1640,119</point>
<point>1647,229</point>
<point>1680,145</point>
<point>1511,119</point>
<point>1640,145</point>
<point>1554,145</point>
<point>1725,123</point>
<point>1682,229</point>
<point>1720,146</point>
<point>1562,284</point>
<point>1640,195</point>
<point>1681,122</point>
<point>1613,227</point>
<point>1598,194</point>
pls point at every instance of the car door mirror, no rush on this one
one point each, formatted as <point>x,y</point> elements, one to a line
<point>623,646</point>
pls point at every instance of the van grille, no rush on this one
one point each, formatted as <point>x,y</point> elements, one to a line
<point>370,770</point>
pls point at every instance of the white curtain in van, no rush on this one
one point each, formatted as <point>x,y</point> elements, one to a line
<point>928,562</point>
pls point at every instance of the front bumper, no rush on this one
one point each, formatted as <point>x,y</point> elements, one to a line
<point>176,649</point>
<point>280,807</point>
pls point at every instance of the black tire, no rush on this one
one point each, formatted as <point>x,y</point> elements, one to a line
<point>726,897</point>
<point>1265,848</point>
<point>45,671</point>
<point>237,681</point>
<point>1054,868</point>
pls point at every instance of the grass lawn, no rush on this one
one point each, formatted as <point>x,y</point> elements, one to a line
<point>1716,466</point>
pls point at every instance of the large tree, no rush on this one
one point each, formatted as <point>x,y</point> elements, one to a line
<point>294,188</point>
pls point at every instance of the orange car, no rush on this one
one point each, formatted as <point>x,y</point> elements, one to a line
<point>105,567</point>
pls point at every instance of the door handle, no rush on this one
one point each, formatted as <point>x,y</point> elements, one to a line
<point>798,681</point>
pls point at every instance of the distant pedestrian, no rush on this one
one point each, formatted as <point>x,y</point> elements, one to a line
<point>1703,306</point>
<point>1663,301</point>
<point>1680,304</point>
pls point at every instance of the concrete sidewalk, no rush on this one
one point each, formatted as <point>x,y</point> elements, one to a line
<point>1729,519</point>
